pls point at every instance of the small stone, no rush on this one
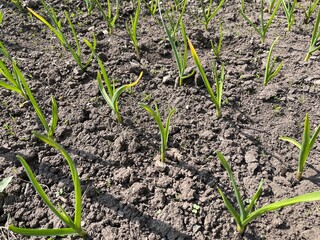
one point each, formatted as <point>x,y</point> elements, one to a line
<point>196,228</point>
<point>167,79</point>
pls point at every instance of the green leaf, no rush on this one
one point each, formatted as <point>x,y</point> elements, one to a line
<point>4,183</point>
<point>42,193</point>
<point>304,151</point>
<point>291,140</point>
<point>202,73</point>
<point>226,165</point>
<point>42,232</point>
<point>308,197</point>
<point>231,209</point>
<point>75,177</point>
<point>255,197</point>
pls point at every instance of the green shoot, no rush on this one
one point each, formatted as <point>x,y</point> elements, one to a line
<point>270,65</point>
<point>152,6</point>
<point>288,9</point>
<point>13,78</point>
<point>178,9</point>
<point>262,31</point>
<point>215,97</point>
<point>108,17</point>
<point>208,13</point>
<point>74,225</point>
<point>164,129</point>
<point>246,214</point>
<point>216,49</point>
<point>111,96</point>
<point>4,183</point>
<point>56,28</point>
<point>1,17</point>
<point>132,28</point>
<point>18,4</point>
<point>306,145</point>
<point>181,58</point>
<point>308,12</point>
<point>89,5</point>
<point>314,39</point>
<point>271,5</point>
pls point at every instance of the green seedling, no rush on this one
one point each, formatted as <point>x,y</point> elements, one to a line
<point>90,4</point>
<point>74,225</point>
<point>56,28</point>
<point>181,58</point>
<point>108,16</point>
<point>164,129</point>
<point>271,71</point>
<point>271,5</point>
<point>314,38</point>
<point>14,82</point>
<point>1,17</point>
<point>215,97</point>
<point>4,183</point>
<point>262,30</point>
<point>208,12</point>
<point>306,145</point>
<point>216,49</point>
<point>18,4</point>
<point>246,215</point>
<point>112,94</point>
<point>175,15</point>
<point>288,9</point>
<point>132,28</point>
<point>195,208</point>
<point>152,6</point>
<point>308,12</point>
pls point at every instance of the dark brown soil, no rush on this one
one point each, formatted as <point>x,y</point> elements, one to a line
<point>125,194</point>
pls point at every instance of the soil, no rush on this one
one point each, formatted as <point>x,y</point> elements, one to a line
<point>127,194</point>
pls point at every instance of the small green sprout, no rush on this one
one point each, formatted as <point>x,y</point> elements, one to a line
<point>246,214</point>
<point>175,15</point>
<point>288,9</point>
<point>56,28</point>
<point>152,6</point>
<point>314,38</point>
<point>164,129</point>
<point>308,12</point>
<point>4,183</point>
<point>108,17</point>
<point>208,13</point>
<point>1,17</point>
<point>113,94</point>
<point>18,4</point>
<point>195,208</point>
<point>262,31</point>
<point>215,97</point>
<point>132,28</point>
<point>271,71</point>
<point>216,49</point>
<point>181,58</point>
<point>14,81</point>
<point>74,225</point>
<point>89,5</point>
<point>271,5</point>
<point>306,145</point>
